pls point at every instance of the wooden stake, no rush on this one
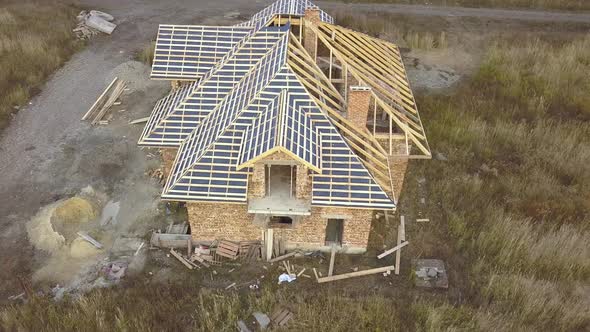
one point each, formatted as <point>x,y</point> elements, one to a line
<point>332,257</point>
<point>401,236</point>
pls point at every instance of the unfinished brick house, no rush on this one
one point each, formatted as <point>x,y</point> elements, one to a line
<point>285,124</point>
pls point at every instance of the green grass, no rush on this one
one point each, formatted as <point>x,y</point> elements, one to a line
<point>35,39</point>
<point>521,4</point>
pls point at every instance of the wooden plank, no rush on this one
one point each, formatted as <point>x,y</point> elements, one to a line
<point>269,243</point>
<point>315,272</point>
<point>286,267</point>
<point>115,94</point>
<point>356,274</point>
<point>90,239</point>
<point>140,120</point>
<point>401,236</point>
<point>301,272</point>
<point>189,247</point>
<point>98,101</point>
<point>332,258</point>
<point>390,251</point>
<point>280,258</point>
<point>181,259</point>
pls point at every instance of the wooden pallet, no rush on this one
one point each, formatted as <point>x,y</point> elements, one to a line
<point>228,249</point>
<point>281,317</point>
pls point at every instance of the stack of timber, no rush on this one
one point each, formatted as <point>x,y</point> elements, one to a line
<point>104,102</point>
<point>93,22</point>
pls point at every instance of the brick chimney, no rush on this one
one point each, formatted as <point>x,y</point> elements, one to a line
<point>357,109</point>
<point>312,16</point>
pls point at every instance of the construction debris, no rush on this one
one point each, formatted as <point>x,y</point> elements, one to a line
<point>104,102</point>
<point>157,174</point>
<point>93,22</point>
<point>140,120</point>
<point>430,273</point>
<point>228,249</point>
<point>181,259</point>
<point>90,239</point>
<point>281,317</point>
<point>287,277</point>
<point>280,258</point>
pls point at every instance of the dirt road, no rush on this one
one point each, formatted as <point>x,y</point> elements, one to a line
<point>451,11</point>
<point>47,153</point>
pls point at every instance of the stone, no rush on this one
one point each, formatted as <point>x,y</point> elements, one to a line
<point>242,327</point>
<point>430,273</point>
<point>440,156</point>
<point>262,319</point>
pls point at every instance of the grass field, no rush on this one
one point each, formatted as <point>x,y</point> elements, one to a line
<point>513,198</point>
<point>516,188</point>
<point>35,39</point>
<point>524,4</point>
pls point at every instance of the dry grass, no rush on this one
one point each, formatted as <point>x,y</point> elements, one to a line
<point>146,55</point>
<point>35,39</point>
<point>536,4</point>
<point>515,193</point>
<point>384,26</point>
<point>185,307</point>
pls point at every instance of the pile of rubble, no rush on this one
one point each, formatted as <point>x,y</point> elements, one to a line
<point>93,22</point>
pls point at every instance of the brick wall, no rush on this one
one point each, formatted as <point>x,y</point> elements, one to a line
<point>256,183</point>
<point>357,108</point>
<point>398,165</point>
<point>302,183</point>
<point>210,221</point>
<point>312,16</point>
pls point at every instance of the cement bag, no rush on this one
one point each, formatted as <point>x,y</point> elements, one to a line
<point>100,24</point>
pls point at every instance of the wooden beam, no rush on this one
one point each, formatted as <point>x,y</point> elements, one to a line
<point>181,259</point>
<point>332,258</point>
<point>280,258</point>
<point>392,250</point>
<point>98,101</point>
<point>401,236</point>
<point>356,274</point>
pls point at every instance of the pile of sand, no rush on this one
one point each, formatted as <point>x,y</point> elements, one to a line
<point>57,224</point>
<point>81,248</point>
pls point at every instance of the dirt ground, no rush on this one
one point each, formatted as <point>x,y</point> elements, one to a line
<point>48,154</point>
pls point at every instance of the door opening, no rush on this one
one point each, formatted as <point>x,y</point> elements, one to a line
<point>334,231</point>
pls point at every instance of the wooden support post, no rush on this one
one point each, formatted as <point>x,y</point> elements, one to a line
<point>356,274</point>
<point>189,247</point>
<point>332,257</point>
<point>401,236</point>
<point>269,243</point>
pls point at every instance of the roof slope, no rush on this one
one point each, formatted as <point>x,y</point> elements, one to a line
<point>270,110</point>
<point>254,90</point>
